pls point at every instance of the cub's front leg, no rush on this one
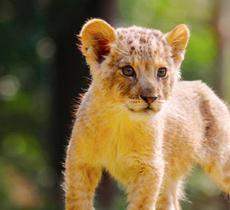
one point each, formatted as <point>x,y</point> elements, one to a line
<point>144,187</point>
<point>81,179</point>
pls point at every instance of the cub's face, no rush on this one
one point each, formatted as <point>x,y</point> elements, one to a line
<point>134,66</point>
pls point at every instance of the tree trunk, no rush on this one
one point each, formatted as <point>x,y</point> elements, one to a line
<point>222,29</point>
<point>221,20</point>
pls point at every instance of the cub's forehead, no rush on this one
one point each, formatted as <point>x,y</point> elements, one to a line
<point>142,42</point>
<point>135,32</point>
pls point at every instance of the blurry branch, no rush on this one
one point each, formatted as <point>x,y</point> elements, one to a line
<point>221,20</point>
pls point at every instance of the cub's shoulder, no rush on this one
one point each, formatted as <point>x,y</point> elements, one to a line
<point>191,91</point>
<point>191,84</point>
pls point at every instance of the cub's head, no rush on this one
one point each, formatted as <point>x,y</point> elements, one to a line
<point>134,67</point>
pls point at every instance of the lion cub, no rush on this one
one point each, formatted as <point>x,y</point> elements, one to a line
<point>140,123</point>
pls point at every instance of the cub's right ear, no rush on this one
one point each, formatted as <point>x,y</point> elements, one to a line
<point>96,37</point>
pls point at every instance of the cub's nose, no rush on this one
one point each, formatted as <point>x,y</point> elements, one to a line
<point>149,99</point>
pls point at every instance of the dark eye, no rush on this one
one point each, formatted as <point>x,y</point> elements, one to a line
<point>128,71</point>
<point>162,72</point>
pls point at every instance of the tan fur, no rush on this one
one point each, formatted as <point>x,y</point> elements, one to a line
<point>148,148</point>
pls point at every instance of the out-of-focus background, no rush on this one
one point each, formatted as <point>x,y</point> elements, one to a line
<point>42,73</point>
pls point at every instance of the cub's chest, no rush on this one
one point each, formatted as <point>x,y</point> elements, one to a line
<point>125,147</point>
<point>118,143</point>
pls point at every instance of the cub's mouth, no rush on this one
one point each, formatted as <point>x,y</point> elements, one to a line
<point>148,109</point>
<point>143,107</point>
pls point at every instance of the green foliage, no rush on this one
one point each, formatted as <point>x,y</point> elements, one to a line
<point>23,105</point>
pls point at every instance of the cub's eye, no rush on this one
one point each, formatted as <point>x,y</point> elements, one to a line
<point>128,71</point>
<point>162,72</point>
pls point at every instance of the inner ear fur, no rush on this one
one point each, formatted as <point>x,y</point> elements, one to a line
<point>96,37</point>
<point>178,40</point>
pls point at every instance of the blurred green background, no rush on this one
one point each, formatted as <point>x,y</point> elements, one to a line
<point>42,72</point>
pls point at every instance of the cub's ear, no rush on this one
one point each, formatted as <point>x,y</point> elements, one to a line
<point>178,40</point>
<point>96,37</point>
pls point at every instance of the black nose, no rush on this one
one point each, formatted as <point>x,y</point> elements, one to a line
<point>149,99</point>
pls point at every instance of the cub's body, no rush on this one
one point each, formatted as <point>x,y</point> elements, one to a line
<point>148,150</point>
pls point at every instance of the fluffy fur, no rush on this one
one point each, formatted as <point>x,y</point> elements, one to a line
<point>147,147</point>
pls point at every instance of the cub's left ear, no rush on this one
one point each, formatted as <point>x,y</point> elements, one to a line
<point>178,40</point>
<point>96,37</point>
